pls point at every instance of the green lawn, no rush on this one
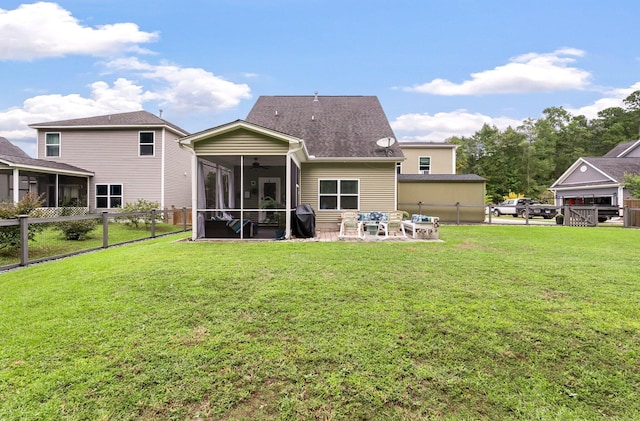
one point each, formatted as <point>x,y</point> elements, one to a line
<point>496,322</point>
<point>51,242</point>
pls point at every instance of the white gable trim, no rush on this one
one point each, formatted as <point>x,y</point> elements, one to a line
<point>238,124</point>
<point>574,167</point>
<point>629,149</point>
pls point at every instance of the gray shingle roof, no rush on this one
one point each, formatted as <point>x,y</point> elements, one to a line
<point>618,149</point>
<point>616,167</point>
<point>9,149</point>
<point>441,177</point>
<point>331,126</point>
<point>135,118</point>
<point>42,163</point>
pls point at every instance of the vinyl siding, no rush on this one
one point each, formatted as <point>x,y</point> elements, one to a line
<point>443,193</point>
<point>377,187</point>
<point>177,173</point>
<point>241,142</point>
<point>442,160</point>
<point>112,154</point>
<point>590,175</point>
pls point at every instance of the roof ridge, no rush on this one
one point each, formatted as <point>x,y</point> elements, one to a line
<point>129,118</point>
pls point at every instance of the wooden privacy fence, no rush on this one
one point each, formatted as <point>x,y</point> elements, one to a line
<point>632,216</point>
<point>175,216</point>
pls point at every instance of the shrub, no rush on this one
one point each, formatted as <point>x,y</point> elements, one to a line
<point>141,205</point>
<point>632,183</point>
<point>76,229</point>
<point>10,236</point>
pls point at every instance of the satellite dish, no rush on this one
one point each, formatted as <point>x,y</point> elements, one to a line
<point>385,142</point>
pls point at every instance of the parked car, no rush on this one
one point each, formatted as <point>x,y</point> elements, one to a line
<point>525,207</point>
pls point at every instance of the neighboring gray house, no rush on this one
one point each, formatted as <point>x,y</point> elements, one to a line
<point>291,150</point>
<point>132,156</point>
<point>59,184</point>
<point>598,181</point>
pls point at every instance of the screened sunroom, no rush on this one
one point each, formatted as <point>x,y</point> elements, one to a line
<point>247,183</point>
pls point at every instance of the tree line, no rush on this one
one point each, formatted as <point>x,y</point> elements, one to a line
<point>529,158</point>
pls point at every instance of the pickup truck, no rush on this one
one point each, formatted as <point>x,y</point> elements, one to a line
<point>518,207</point>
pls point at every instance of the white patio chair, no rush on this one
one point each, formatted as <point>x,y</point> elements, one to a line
<point>349,225</point>
<point>392,225</point>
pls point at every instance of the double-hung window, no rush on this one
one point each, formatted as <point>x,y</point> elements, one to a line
<point>339,194</point>
<point>52,144</point>
<point>146,143</point>
<point>424,165</point>
<point>108,196</point>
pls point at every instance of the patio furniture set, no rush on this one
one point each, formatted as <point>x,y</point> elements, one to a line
<point>383,225</point>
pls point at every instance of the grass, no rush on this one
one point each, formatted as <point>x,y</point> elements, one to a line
<point>51,242</point>
<point>496,322</point>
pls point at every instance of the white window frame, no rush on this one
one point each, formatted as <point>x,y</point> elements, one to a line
<point>46,145</point>
<point>420,170</point>
<point>152,144</point>
<point>109,196</point>
<point>338,194</point>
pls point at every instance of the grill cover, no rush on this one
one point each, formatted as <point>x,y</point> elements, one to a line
<point>303,222</point>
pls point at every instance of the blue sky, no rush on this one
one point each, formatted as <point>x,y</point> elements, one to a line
<point>440,68</point>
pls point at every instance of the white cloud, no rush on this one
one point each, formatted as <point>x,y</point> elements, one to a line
<point>612,98</point>
<point>441,126</point>
<point>123,96</point>
<point>526,73</point>
<point>47,30</point>
<point>185,88</point>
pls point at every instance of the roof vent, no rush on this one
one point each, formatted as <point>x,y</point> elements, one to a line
<point>160,113</point>
<point>315,96</point>
<point>276,112</point>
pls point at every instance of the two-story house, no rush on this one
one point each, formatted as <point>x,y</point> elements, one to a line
<point>428,176</point>
<point>292,150</point>
<point>134,155</point>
